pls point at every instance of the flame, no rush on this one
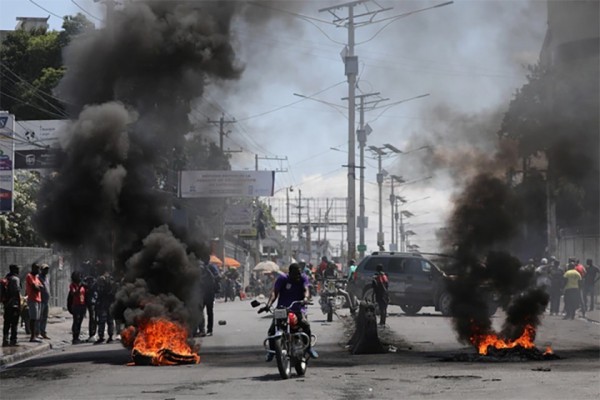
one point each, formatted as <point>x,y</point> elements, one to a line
<point>484,340</point>
<point>155,337</point>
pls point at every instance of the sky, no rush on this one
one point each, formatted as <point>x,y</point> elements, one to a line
<point>469,59</point>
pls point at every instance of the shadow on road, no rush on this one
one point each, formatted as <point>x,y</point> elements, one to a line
<point>118,356</point>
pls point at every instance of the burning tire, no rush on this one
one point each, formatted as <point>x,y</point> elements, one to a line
<point>283,360</point>
<point>410,309</point>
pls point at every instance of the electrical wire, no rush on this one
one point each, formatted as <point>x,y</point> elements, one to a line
<point>48,11</point>
<point>85,11</point>
<point>292,103</point>
<point>20,101</point>
<point>36,91</point>
<point>304,18</point>
<point>400,16</point>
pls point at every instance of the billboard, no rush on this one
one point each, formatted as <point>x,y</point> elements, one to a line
<point>7,161</point>
<point>38,142</point>
<point>239,217</point>
<point>226,183</point>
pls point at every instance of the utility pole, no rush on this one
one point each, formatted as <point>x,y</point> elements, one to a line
<point>393,246</point>
<point>362,133</point>
<point>288,229</point>
<point>351,71</point>
<point>222,132</point>
<point>381,173</point>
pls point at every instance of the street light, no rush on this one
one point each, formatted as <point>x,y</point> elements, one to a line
<point>393,246</point>
<point>380,175</point>
<point>287,223</point>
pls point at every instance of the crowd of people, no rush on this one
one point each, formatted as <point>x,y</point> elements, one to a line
<point>575,283</point>
<point>93,295</point>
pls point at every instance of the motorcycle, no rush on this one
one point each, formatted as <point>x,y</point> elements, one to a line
<point>334,296</point>
<point>289,342</point>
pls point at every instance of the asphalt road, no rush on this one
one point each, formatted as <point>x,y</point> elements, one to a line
<point>232,366</point>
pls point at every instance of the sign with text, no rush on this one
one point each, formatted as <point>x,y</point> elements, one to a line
<point>7,161</point>
<point>38,143</point>
<point>226,183</point>
<point>239,217</point>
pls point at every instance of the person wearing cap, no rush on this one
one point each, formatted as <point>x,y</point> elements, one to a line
<point>45,279</point>
<point>33,290</point>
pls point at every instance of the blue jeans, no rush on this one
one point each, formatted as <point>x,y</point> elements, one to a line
<point>43,318</point>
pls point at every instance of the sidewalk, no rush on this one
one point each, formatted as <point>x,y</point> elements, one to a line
<point>58,329</point>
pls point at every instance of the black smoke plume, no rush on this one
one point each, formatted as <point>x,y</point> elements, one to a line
<point>129,89</point>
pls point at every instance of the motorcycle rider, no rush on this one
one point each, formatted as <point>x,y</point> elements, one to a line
<point>290,287</point>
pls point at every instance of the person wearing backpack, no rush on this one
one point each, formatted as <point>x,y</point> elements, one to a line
<point>379,284</point>
<point>11,300</point>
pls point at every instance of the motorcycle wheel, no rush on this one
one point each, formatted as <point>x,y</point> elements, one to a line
<point>283,359</point>
<point>330,314</point>
<point>300,366</point>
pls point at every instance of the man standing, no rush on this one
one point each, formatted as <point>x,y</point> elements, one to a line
<point>76,304</point>
<point>90,300</point>
<point>208,290</point>
<point>105,296</point>
<point>12,305</point>
<point>45,279</point>
<point>589,283</point>
<point>33,290</point>
<point>380,292</point>
<point>572,291</point>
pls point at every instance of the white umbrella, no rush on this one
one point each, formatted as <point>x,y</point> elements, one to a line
<point>266,266</point>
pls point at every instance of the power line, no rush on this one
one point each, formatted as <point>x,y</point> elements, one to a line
<point>86,11</point>
<point>31,105</point>
<point>48,11</point>
<point>36,91</point>
<point>292,103</point>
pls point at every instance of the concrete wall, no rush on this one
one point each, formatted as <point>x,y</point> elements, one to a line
<point>60,268</point>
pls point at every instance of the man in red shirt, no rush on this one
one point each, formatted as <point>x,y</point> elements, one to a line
<point>33,290</point>
<point>76,304</point>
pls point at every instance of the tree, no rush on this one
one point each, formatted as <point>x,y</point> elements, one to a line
<point>31,66</point>
<point>16,228</point>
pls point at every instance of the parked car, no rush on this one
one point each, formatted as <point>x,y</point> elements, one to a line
<point>414,282</point>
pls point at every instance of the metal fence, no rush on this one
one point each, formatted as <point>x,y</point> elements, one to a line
<point>60,268</point>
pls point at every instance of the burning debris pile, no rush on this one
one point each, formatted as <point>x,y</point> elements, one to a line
<point>129,89</point>
<point>158,341</point>
<point>484,219</point>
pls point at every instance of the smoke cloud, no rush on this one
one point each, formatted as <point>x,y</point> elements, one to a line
<point>129,89</point>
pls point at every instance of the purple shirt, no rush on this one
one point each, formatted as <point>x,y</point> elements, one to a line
<point>290,291</point>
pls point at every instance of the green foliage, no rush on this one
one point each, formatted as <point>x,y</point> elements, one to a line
<point>31,67</point>
<point>16,228</point>
<point>527,118</point>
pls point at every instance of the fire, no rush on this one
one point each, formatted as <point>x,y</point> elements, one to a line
<point>483,341</point>
<point>163,341</point>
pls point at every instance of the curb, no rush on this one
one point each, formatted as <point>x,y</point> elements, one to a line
<point>20,356</point>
